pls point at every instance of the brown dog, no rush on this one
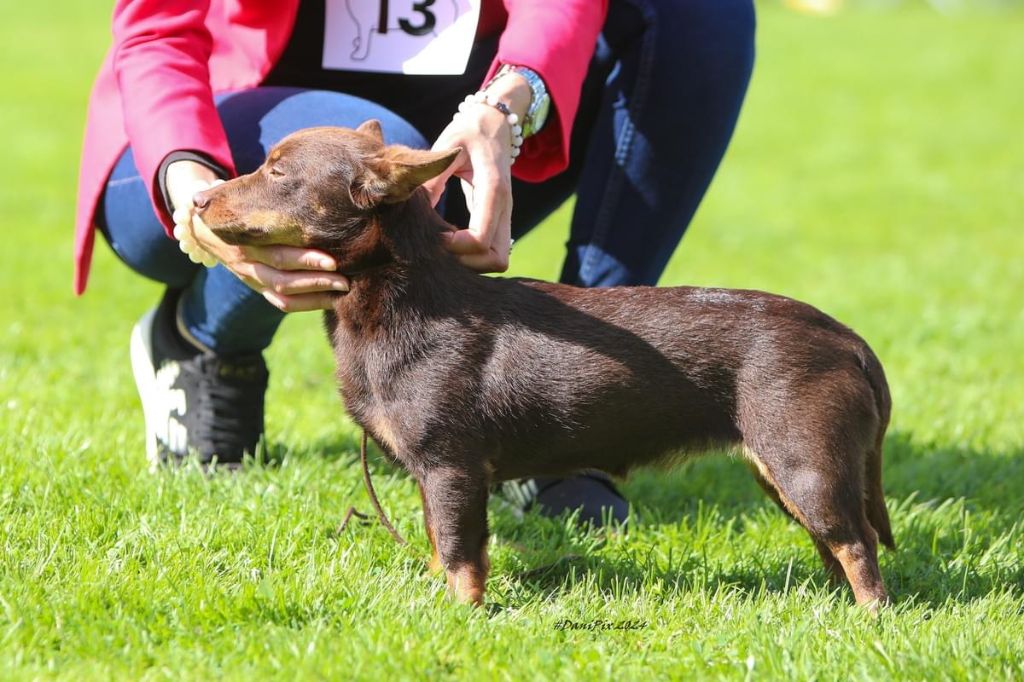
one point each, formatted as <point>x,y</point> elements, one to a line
<point>468,380</point>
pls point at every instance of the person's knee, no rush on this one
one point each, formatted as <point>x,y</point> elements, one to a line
<point>715,33</point>
<point>160,260</point>
<point>735,18</point>
<point>150,253</point>
<point>736,22</point>
<point>399,131</point>
<point>347,111</point>
<point>257,119</point>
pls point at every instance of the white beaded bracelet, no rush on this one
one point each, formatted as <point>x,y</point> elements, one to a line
<point>182,221</point>
<point>189,246</point>
<point>481,97</point>
<point>186,242</point>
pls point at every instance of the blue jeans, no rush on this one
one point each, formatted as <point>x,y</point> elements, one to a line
<point>658,107</point>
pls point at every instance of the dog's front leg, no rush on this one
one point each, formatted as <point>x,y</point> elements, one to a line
<point>434,566</point>
<point>455,502</point>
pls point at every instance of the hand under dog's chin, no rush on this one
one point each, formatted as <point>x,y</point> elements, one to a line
<point>242,236</point>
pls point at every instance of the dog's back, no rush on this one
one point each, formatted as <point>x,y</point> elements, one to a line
<point>615,378</point>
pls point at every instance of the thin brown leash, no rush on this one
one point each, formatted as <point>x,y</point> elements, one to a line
<point>373,498</point>
<point>537,572</point>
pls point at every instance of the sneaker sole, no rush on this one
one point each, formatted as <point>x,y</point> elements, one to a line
<point>145,382</point>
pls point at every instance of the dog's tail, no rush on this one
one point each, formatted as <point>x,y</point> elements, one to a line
<point>877,514</point>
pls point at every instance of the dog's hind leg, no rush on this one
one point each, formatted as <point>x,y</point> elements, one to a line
<point>822,488</point>
<point>456,502</point>
<point>832,565</point>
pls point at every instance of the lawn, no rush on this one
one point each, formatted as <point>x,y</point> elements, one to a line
<point>878,172</point>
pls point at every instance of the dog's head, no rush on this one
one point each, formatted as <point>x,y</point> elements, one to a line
<point>317,187</point>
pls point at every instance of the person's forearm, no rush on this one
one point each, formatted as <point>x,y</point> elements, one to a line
<point>556,40</point>
<point>161,55</point>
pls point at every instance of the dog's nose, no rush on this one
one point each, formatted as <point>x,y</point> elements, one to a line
<point>200,200</point>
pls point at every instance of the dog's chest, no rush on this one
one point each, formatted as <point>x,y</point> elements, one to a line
<point>383,395</point>
<point>384,427</point>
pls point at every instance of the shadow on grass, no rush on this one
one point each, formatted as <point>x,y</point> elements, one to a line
<point>956,515</point>
<point>343,446</point>
<point>988,479</point>
<point>949,505</point>
<point>633,575</point>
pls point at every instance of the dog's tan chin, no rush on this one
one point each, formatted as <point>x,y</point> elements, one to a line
<point>240,236</point>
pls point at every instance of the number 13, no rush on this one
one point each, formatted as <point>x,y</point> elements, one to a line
<point>422,7</point>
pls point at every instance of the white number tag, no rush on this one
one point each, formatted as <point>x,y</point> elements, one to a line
<point>400,36</point>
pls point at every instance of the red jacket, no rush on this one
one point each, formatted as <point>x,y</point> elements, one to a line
<point>168,58</point>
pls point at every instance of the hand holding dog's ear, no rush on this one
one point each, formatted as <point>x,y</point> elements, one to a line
<point>487,184</point>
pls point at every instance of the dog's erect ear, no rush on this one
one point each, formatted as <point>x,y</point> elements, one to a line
<point>393,176</point>
<point>410,168</point>
<point>372,129</point>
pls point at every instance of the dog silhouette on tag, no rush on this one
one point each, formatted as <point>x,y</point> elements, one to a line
<point>416,19</point>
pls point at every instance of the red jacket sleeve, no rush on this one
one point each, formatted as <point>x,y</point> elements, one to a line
<point>161,51</point>
<point>557,40</point>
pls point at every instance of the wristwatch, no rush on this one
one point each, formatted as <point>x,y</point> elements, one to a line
<point>540,101</point>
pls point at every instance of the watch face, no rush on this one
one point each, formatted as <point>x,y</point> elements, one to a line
<point>539,116</point>
<point>540,103</point>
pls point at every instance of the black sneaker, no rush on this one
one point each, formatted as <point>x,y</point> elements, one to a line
<point>195,403</point>
<point>592,493</point>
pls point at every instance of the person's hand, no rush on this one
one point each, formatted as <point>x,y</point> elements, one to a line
<point>484,167</point>
<point>292,279</point>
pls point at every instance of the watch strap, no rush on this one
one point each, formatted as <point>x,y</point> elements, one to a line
<point>540,101</point>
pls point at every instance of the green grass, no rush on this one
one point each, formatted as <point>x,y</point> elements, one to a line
<point>877,172</point>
